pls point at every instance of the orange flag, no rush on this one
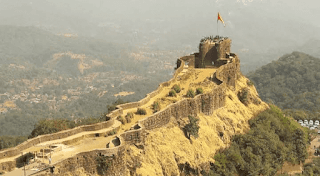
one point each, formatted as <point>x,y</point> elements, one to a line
<point>219,18</point>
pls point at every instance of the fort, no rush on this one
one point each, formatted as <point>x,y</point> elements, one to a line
<point>223,70</point>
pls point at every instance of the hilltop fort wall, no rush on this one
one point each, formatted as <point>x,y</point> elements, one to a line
<point>204,103</point>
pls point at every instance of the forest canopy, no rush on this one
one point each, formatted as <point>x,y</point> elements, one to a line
<point>291,82</point>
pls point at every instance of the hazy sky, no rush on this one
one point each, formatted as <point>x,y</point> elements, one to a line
<point>256,25</point>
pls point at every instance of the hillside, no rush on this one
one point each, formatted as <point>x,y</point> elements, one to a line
<point>167,151</point>
<point>292,82</point>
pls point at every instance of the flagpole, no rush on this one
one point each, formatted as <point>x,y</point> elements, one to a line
<point>217,28</point>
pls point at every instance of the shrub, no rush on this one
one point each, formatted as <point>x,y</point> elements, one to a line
<point>116,103</point>
<point>129,116</point>
<point>121,119</point>
<point>24,159</point>
<point>192,128</point>
<point>176,88</point>
<point>156,107</point>
<point>199,91</point>
<point>112,132</point>
<point>172,93</point>
<point>243,96</point>
<point>141,111</point>
<point>190,93</point>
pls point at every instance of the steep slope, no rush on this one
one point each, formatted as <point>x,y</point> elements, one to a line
<point>167,151</point>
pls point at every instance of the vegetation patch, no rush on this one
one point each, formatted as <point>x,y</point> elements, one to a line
<point>176,88</point>
<point>141,111</point>
<point>243,96</point>
<point>121,119</point>
<point>199,91</point>
<point>156,106</point>
<point>190,93</point>
<point>129,116</point>
<point>24,159</point>
<point>115,104</point>
<point>172,93</point>
<point>11,141</point>
<point>113,132</point>
<point>192,128</point>
<point>272,140</point>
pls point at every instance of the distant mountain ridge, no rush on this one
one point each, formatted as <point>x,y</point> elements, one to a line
<point>36,47</point>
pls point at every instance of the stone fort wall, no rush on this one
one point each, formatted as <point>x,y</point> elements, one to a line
<point>203,103</point>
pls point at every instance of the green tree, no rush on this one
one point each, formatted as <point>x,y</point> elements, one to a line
<point>192,128</point>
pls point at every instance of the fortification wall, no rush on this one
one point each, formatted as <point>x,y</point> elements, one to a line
<point>49,137</point>
<point>228,73</point>
<point>223,48</point>
<point>88,161</point>
<point>207,54</point>
<point>134,136</point>
<point>190,59</point>
<point>8,166</point>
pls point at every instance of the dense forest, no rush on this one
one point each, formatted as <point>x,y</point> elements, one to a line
<point>271,140</point>
<point>292,82</point>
